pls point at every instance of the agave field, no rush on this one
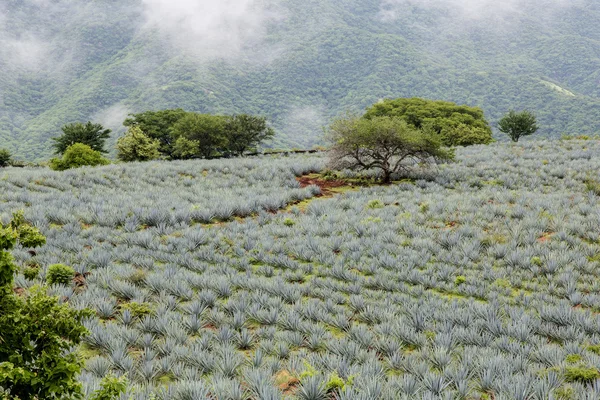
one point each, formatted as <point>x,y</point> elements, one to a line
<point>474,280</point>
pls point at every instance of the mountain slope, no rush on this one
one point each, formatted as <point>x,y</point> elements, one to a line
<point>310,61</point>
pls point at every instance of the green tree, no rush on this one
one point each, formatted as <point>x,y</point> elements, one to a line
<point>518,124</point>
<point>78,155</point>
<point>199,135</point>
<point>456,125</point>
<point>93,135</point>
<point>5,158</point>
<point>136,146</point>
<point>36,330</point>
<point>157,125</point>
<point>389,144</point>
<point>244,132</point>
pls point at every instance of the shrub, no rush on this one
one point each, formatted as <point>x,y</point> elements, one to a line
<point>375,204</point>
<point>459,280</point>
<point>581,373</point>
<point>78,155</point>
<point>31,273</point>
<point>111,387</point>
<point>37,331</point>
<point>59,273</point>
<point>5,158</point>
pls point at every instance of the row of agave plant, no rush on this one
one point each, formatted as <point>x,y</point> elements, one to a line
<point>475,280</point>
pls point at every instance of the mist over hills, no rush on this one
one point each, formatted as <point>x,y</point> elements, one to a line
<point>298,62</point>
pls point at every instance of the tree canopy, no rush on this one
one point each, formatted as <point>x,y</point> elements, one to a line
<point>93,135</point>
<point>157,125</point>
<point>199,135</point>
<point>389,144</point>
<point>244,132</point>
<point>136,146</point>
<point>518,124</point>
<point>456,125</point>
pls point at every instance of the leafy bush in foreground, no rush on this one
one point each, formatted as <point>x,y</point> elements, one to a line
<point>78,155</point>
<point>36,331</point>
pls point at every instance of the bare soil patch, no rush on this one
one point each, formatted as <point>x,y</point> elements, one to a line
<point>326,186</point>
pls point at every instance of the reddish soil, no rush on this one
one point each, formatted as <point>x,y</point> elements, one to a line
<point>324,185</point>
<point>79,280</point>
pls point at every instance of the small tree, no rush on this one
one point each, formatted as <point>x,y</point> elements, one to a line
<point>76,156</point>
<point>518,124</point>
<point>93,135</point>
<point>36,331</point>
<point>385,143</point>
<point>245,132</point>
<point>199,135</point>
<point>157,125</point>
<point>5,158</point>
<point>136,146</point>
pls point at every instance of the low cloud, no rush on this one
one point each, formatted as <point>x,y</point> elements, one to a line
<point>208,29</point>
<point>112,117</point>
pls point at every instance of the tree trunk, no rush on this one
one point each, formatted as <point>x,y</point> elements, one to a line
<point>387,176</point>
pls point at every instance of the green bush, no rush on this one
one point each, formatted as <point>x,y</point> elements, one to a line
<point>5,158</point>
<point>111,387</point>
<point>78,155</point>
<point>31,273</point>
<point>59,273</point>
<point>459,280</point>
<point>36,330</point>
<point>581,373</point>
<point>375,204</point>
<point>136,146</point>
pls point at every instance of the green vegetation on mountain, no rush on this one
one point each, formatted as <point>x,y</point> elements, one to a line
<point>318,60</point>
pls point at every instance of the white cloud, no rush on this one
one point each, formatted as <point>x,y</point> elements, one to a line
<point>210,29</point>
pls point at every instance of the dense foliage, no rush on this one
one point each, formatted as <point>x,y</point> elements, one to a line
<point>518,124</point>
<point>199,135</point>
<point>245,132</point>
<point>157,125</point>
<point>455,125</point>
<point>136,146</point>
<point>37,332</point>
<point>476,280</point>
<point>5,158</point>
<point>92,135</point>
<point>537,54</point>
<point>388,144</point>
<point>78,155</point>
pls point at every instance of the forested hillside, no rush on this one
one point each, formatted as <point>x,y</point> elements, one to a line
<point>297,62</point>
